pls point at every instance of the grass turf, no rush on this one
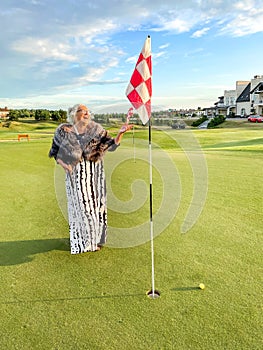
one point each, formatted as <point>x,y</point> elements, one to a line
<point>52,300</point>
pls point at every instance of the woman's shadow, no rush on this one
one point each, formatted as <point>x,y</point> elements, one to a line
<point>19,252</point>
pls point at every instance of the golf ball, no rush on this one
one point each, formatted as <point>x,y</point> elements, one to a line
<point>201,286</point>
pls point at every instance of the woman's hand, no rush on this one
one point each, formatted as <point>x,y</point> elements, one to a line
<point>66,167</point>
<point>125,127</point>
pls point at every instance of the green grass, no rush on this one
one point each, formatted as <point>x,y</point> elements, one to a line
<point>52,300</point>
<point>35,129</point>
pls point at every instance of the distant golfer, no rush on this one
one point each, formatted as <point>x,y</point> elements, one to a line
<point>79,146</point>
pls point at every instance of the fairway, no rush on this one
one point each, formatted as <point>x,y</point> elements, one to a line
<point>53,300</point>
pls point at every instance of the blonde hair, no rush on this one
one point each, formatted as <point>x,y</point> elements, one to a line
<point>72,113</point>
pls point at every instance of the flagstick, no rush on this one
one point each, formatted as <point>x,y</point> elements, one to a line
<point>141,100</point>
<point>152,293</point>
<point>133,141</point>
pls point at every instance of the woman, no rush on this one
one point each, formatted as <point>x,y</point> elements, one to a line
<point>79,147</point>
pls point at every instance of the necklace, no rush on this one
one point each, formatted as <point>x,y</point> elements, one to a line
<point>79,137</point>
<point>76,130</point>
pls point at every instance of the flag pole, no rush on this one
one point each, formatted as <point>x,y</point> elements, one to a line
<point>133,141</point>
<point>139,93</point>
<point>153,293</point>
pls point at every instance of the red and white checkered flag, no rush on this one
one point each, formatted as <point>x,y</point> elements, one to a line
<point>139,90</point>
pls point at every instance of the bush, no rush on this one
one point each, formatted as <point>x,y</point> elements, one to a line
<point>216,121</point>
<point>199,121</point>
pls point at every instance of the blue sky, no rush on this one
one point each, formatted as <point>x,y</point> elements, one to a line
<point>58,53</point>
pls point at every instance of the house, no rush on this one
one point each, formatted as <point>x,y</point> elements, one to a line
<point>246,99</point>
<point>243,102</point>
<point>4,112</point>
<point>256,95</point>
<point>220,107</point>
<point>230,97</point>
<point>250,101</point>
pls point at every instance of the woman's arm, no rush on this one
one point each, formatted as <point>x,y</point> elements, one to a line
<point>122,131</point>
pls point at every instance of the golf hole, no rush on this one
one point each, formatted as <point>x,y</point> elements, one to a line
<point>153,295</point>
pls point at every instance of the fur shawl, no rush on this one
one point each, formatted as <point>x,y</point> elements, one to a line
<point>72,148</point>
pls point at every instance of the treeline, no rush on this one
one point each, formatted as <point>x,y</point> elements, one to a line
<point>112,118</point>
<point>160,118</point>
<point>38,114</point>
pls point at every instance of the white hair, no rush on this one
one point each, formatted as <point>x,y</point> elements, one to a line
<point>72,113</point>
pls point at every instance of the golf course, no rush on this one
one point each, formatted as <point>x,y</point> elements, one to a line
<point>207,219</point>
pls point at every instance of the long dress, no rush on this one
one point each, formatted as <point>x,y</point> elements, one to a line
<point>86,184</point>
<point>87,206</point>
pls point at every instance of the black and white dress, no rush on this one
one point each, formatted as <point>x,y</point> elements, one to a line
<point>86,185</point>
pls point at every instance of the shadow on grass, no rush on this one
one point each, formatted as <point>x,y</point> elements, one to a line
<point>184,289</point>
<point>19,252</point>
<point>77,298</point>
<point>88,297</point>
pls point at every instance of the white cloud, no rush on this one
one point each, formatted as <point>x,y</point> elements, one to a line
<point>246,23</point>
<point>164,46</point>
<point>132,59</point>
<point>157,55</point>
<point>44,49</point>
<point>200,33</point>
<point>178,25</point>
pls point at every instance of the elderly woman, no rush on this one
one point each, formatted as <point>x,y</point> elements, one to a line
<point>79,147</point>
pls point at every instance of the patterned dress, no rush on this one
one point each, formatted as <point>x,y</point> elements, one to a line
<point>86,185</point>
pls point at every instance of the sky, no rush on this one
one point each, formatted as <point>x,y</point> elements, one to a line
<point>55,53</point>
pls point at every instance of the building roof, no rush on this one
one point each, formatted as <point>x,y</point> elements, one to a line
<point>245,94</point>
<point>258,88</point>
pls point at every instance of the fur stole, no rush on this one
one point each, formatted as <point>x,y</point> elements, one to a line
<point>72,148</point>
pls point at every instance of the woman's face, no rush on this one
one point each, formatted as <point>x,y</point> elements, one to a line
<point>82,114</point>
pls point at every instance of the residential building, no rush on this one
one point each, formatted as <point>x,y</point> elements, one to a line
<point>220,107</point>
<point>4,112</point>
<point>256,94</point>
<point>230,97</point>
<point>243,102</point>
<point>246,99</point>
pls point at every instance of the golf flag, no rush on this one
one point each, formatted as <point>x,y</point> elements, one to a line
<point>129,115</point>
<point>139,89</point>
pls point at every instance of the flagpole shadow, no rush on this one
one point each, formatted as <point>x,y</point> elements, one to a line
<point>20,252</point>
<point>76,298</point>
<point>184,289</point>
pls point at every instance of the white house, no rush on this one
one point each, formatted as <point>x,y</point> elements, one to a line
<point>256,94</point>
<point>243,102</point>
<point>4,112</point>
<point>250,99</point>
<point>230,97</point>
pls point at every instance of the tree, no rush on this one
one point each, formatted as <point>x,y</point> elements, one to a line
<point>13,114</point>
<point>58,116</point>
<point>24,113</point>
<point>42,114</point>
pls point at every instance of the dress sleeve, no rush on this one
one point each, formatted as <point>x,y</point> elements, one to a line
<point>99,144</point>
<point>108,142</point>
<point>56,143</point>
